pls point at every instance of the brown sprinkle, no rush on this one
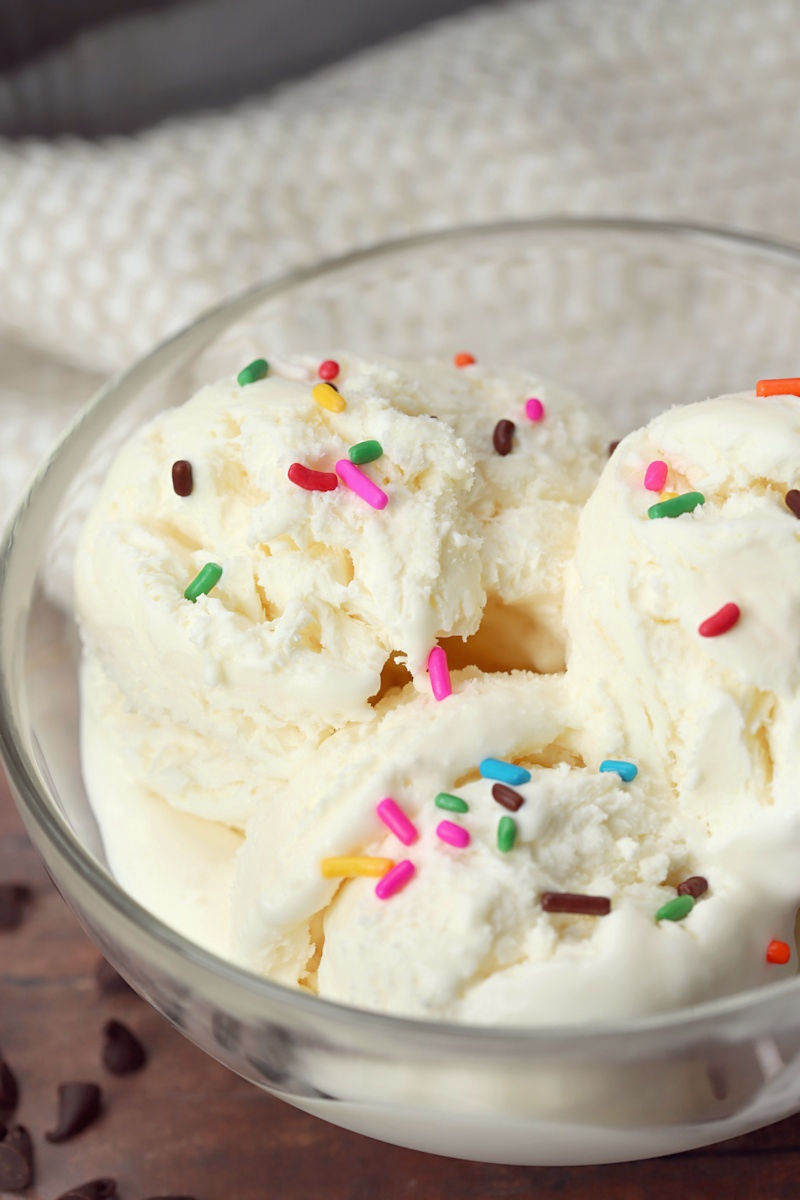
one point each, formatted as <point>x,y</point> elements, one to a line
<point>503,436</point>
<point>792,501</point>
<point>612,447</point>
<point>572,902</point>
<point>507,796</point>
<point>695,885</point>
<point>182,477</point>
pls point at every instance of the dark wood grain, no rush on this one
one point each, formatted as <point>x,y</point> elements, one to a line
<point>224,1140</point>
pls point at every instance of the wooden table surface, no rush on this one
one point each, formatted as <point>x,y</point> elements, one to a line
<point>186,1126</point>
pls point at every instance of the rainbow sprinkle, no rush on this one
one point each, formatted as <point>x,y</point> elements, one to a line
<point>328,370</point>
<point>254,371</point>
<point>656,475</point>
<point>778,387</point>
<point>355,864</point>
<point>395,880</point>
<point>463,359</point>
<point>451,803</point>
<point>327,396</point>
<point>626,770</point>
<point>361,484</point>
<point>721,621</point>
<point>439,673</point>
<point>676,506</point>
<point>676,909</point>
<point>506,772</point>
<point>395,819</point>
<point>534,409</point>
<point>506,834</point>
<point>454,835</point>
<point>365,452</point>
<point>778,952</point>
<point>205,579</point>
<point>310,480</point>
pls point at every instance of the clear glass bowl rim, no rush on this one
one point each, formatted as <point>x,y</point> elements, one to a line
<point>32,799</point>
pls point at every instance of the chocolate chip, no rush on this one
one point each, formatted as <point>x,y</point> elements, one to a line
<point>16,1159</point>
<point>13,898</point>
<point>94,1189</point>
<point>78,1106</point>
<point>9,1092</point>
<point>123,1053</point>
<point>110,982</point>
<point>502,437</point>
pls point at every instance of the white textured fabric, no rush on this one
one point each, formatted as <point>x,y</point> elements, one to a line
<point>669,108</point>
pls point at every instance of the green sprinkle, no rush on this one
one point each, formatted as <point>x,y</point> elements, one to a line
<point>676,506</point>
<point>254,371</point>
<point>506,833</point>
<point>364,452</point>
<point>205,579</point>
<point>677,909</point>
<point>451,803</point>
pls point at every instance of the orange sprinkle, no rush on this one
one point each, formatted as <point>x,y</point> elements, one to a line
<point>778,952</point>
<point>778,387</point>
<point>463,359</point>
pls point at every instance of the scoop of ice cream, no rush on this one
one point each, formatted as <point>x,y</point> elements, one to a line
<point>718,717</point>
<point>468,937</point>
<point>526,501</point>
<point>324,603</point>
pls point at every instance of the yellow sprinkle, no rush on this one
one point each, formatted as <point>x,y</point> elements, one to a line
<point>327,397</point>
<point>668,495</point>
<point>354,864</point>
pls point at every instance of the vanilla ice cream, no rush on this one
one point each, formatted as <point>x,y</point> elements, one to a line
<point>594,843</point>
<point>323,603</point>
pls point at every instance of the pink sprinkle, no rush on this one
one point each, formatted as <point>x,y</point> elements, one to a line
<point>394,817</point>
<point>361,484</point>
<point>454,835</point>
<point>439,673</point>
<point>534,409</point>
<point>656,475</point>
<point>395,879</point>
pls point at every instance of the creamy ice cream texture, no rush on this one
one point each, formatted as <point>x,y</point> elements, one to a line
<point>292,699</point>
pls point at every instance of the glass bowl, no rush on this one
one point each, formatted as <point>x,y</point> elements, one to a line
<point>636,316</point>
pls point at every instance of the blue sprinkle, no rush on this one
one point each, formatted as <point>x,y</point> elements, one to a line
<point>495,768</point>
<point>626,770</point>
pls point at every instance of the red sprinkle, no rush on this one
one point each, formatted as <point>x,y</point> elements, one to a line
<point>720,622</point>
<point>778,952</point>
<point>312,481</point>
<point>463,359</point>
<point>328,369</point>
